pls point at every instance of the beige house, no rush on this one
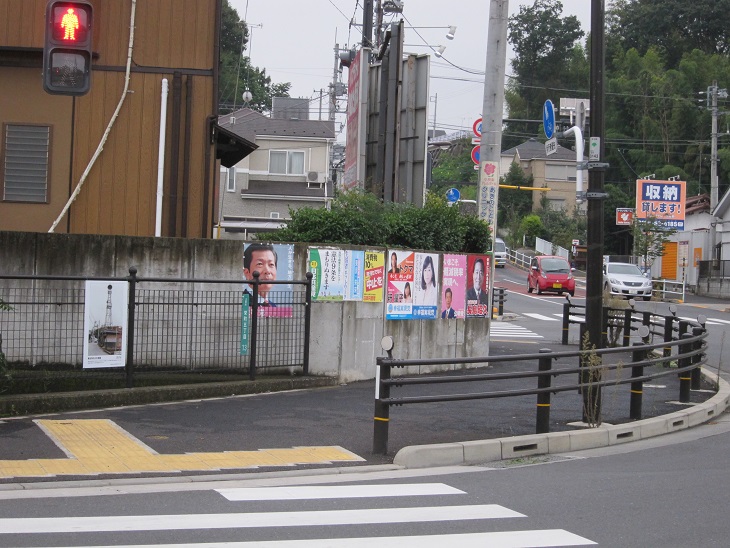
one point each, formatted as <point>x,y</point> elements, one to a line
<point>557,172</point>
<point>289,169</point>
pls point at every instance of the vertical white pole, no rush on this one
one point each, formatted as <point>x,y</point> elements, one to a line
<point>161,158</point>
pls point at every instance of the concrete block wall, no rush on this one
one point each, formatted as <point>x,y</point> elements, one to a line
<point>345,336</point>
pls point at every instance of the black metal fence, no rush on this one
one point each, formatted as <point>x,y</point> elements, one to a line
<point>681,343</point>
<point>174,326</point>
<point>714,269</point>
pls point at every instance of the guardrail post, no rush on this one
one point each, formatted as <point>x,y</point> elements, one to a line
<point>566,320</point>
<point>637,387</point>
<point>543,398</point>
<point>627,326</point>
<point>604,323</point>
<point>382,409</point>
<point>696,374</point>
<point>307,322</point>
<point>582,376</point>
<point>685,377</point>
<point>668,332</point>
<point>131,305</point>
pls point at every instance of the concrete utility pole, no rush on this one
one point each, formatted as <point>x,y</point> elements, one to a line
<point>595,196</point>
<point>713,92</point>
<point>490,149</point>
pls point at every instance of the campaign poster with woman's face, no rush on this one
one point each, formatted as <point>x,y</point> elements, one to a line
<point>399,295</point>
<point>453,287</point>
<point>425,294</point>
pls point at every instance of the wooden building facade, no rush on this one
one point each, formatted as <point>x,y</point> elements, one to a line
<point>57,136</point>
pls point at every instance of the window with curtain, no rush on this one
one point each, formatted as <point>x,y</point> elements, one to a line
<point>286,162</point>
<point>25,170</point>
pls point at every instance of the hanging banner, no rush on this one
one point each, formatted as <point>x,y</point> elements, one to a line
<point>105,324</point>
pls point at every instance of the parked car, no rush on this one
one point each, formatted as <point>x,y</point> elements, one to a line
<point>550,273</point>
<point>500,252</point>
<point>626,280</point>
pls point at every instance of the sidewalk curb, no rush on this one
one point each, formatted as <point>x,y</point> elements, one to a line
<point>480,451</point>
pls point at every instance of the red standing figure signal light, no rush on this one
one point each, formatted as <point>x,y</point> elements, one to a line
<point>67,51</point>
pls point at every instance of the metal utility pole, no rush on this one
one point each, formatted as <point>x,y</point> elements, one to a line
<point>595,196</point>
<point>490,149</point>
<point>367,24</point>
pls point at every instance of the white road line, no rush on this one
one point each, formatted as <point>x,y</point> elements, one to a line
<point>501,539</point>
<point>710,321</point>
<point>512,331</point>
<point>257,519</point>
<point>540,316</point>
<point>308,492</point>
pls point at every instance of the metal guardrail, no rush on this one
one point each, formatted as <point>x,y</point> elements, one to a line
<point>175,325</point>
<point>668,290</point>
<point>592,373</point>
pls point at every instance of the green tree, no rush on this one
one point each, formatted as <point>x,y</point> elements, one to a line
<point>650,237</point>
<point>514,202</point>
<point>548,57</point>
<point>236,74</point>
<point>674,27</point>
<point>531,227</point>
<point>453,167</point>
<point>357,218</point>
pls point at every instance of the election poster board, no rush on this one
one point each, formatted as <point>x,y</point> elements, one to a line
<point>426,286</point>
<point>273,262</point>
<point>399,290</point>
<point>105,324</point>
<point>477,300</point>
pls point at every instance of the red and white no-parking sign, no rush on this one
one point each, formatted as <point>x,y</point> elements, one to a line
<point>477,127</point>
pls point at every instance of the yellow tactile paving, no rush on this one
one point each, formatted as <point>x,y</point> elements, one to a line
<point>99,446</point>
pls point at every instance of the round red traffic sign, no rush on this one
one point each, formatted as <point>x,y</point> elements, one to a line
<point>475,154</point>
<point>477,127</point>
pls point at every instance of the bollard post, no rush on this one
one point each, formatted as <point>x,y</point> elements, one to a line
<point>566,320</point>
<point>604,323</point>
<point>685,377</point>
<point>696,374</point>
<point>543,398</point>
<point>582,376</point>
<point>382,409</point>
<point>637,387</point>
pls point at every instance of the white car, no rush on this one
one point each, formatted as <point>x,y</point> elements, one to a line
<point>626,280</point>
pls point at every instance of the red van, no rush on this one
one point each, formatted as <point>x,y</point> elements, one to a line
<point>550,273</point>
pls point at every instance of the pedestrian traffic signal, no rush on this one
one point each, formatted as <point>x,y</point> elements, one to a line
<point>67,50</point>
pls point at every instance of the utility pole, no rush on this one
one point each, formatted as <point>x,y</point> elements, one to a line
<point>595,196</point>
<point>335,81</point>
<point>490,149</point>
<point>367,24</point>
<point>713,92</point>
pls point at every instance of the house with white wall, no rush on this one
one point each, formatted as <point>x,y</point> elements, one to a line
<point>289,169</point>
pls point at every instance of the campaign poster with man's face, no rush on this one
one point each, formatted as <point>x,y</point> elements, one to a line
<point>453,287</point>
<point>273,262</point>
<point>477,300</point>
<point>400,279</point>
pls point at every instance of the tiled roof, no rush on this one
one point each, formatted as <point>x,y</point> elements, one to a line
<point>249,124</point>
<point>535,150</point>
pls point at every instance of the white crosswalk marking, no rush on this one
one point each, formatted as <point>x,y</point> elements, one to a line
<point>500,539</point>
<point>309,492</point>
<point>511,331</point>
<point>540,317</point>
<point>256,519</point>
<point>276,520</point>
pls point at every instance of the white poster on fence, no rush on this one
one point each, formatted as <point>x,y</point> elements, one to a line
<point>105,324</point>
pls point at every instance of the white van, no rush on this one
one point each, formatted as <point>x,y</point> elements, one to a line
<point>500,252</point>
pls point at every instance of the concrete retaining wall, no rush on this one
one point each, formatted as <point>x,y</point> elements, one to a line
<point>345,336</point>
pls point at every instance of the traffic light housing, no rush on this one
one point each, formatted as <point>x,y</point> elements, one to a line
<point>67,50</point>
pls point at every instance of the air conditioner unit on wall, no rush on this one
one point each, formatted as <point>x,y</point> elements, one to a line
<point>316,177</point>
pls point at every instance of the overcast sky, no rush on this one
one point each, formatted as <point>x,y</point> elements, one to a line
<point>297,38</point>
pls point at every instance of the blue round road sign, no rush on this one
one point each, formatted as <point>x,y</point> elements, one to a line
<point>548,119</point>
<point>453,195</point>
